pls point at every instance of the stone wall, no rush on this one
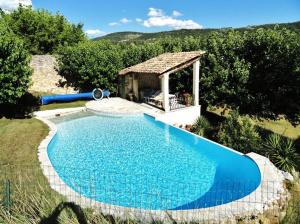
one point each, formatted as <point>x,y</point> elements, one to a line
<point>45,78</point>
<point>149,81</point>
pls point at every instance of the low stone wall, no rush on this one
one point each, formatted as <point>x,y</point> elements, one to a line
<point>45,77</point>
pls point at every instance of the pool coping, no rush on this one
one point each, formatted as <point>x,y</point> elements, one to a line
<point>269,192</point>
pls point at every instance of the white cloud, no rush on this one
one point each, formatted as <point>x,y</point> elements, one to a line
<point>113,24</point>
<point>176,13</point>
<point>122,21</point>
<point>125,20</point>
<point>94,33</point>
<point>157,18</point>
<point>139,20</point>
<point>10,5</point>
<point>153,12</point>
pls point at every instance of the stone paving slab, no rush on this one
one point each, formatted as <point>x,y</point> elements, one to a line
<point>118,105</point>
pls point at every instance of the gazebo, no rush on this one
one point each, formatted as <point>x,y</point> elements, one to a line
<point>155,72</point>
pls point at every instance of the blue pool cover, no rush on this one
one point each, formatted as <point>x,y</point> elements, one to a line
<point>70,97</point>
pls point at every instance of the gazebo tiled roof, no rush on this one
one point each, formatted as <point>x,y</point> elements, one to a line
<point>168,62</point>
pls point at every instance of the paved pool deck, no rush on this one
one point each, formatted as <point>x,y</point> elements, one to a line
<point>117,105</point>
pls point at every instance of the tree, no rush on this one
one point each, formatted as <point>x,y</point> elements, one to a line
<point>15,72</point>
<point>91,65</point>
<point>41,31</point>
<point>257,71</point>
<point>239,133</point>
<point>224,72</point>
<point>274,81</point>
<point>134,54</point>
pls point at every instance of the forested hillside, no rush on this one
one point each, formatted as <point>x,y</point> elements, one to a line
<point>138,36</point>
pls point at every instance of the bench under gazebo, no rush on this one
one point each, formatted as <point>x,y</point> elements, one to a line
<point>149,80</point>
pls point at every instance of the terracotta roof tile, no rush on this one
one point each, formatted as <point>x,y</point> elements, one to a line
<point>164,63</point>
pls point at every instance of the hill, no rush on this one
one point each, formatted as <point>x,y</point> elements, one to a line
<point>138,36</point>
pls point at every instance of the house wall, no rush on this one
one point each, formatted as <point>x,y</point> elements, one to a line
<point>126,85</point>
<point>148,81</point>
<point>184,116</point>
<point>137,83</point>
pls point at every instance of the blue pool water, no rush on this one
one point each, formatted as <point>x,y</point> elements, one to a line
<point>137,162</point>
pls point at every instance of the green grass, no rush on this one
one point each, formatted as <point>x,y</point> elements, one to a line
<point>52,106</point>
<point>20,139</point>
<point>280,126</point>
<point>80,103</point>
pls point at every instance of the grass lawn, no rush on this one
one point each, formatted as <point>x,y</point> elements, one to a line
<point>20,139</point>
<point>280,126</point>
<point>53,106</point>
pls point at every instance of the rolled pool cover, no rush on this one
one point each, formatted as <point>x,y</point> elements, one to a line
<point>97,94</point>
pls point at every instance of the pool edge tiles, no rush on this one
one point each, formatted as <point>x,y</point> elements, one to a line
<point>236,208</point>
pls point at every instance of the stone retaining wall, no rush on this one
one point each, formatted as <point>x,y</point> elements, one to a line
<point>45,77</point>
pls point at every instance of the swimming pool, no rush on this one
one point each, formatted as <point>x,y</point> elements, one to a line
<point>138,162</point>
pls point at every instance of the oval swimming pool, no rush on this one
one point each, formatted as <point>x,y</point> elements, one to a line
<point>138,162</point>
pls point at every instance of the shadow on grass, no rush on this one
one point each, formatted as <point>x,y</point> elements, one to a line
<point>53,218</point>
<point>22,109</point>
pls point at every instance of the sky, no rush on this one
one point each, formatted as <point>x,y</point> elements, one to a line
<point>101,17</point>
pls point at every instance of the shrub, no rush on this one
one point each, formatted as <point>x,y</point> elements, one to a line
<point>239,133</point>
<point>15,72</point>
<point>202,127</point>
<point>282,152</point>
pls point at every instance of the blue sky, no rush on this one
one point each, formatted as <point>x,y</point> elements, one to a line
<point>106,16</point>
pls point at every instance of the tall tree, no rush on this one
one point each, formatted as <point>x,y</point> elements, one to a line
<point>41,31</point>
<point>224,72</point>
<point>15,72</point>
<point>274,83</point>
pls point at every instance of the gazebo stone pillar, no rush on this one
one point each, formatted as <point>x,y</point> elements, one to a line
<point>196,68</point>
<point>165,90</point>
<point>135,86</point>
